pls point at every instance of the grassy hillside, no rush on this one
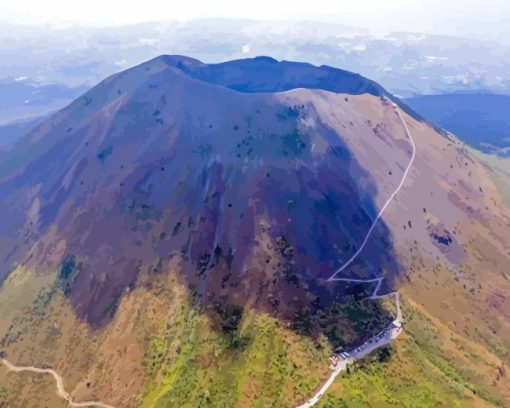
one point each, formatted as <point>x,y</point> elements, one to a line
<point>163,351</point>
<point>15,392</point>
<point>453,353</point>
<point>498,168</point>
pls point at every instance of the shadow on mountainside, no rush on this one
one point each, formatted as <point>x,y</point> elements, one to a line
<point>226,185</point>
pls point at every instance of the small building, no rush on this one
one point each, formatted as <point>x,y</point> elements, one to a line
<point>334,361</point>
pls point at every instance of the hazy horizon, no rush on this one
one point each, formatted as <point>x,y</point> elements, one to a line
<point>487,20</point>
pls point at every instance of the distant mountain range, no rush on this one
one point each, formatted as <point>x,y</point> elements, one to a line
<point>24,104</point>
<point>480,120</point>
<point>23,99</point>
<point>12,131</point>
<point>404,63</point>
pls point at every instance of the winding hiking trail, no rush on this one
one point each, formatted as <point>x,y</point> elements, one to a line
<point>386,204</point>
<point>60,384</point>
<point>395,328</point>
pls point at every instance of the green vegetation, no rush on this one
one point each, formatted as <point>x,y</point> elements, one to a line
<point>68,267</point>
<point>346,324</point>
<point>230,357</point>
<point>68,271</point>
<point>234,359</point>
<point>417,371</point>
<point>227,356</point>
<point>104,153</point>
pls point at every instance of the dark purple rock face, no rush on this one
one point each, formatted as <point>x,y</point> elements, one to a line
<point>179,161</point>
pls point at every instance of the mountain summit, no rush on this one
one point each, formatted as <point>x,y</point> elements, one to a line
<point>265,74</point>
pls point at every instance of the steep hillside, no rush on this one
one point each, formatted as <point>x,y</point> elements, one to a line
<point>151,151</point>
<point>168,237</point>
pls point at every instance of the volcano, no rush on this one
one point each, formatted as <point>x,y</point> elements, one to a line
<point>234,190</point>
<point>225,167</point>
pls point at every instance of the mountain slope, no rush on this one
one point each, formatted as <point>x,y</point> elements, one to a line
<point>167,239</point>
<point>152,148</point>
